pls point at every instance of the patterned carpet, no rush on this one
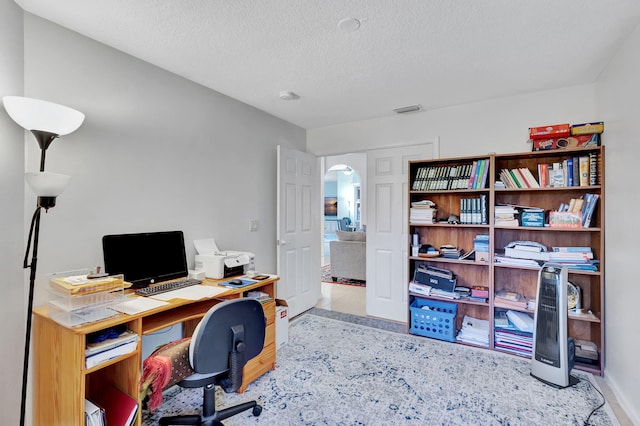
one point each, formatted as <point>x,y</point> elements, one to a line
<point>334,372</point>
<point>326,278</point>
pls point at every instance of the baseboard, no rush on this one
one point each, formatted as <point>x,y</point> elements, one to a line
<point>629,409</point>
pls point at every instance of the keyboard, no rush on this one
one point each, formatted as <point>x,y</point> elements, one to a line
<point>165,287</point>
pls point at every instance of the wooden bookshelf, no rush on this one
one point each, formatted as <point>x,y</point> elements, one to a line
<point>521,279</point>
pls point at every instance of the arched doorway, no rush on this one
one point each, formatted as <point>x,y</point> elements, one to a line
<point>343,201</point>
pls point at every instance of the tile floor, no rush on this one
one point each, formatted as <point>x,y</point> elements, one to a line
<point>348,299</point>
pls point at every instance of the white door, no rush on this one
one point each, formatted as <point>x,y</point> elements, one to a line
<point>387,227</point>
<point>298,230</point>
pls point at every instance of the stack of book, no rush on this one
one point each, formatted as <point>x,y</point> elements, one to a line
<point>514,332</point>
<point>505,215</point>
<point>574,258</point>
<point>510,300</point>
<point>474,331</point>
<point>422,212</point>
<point>450,252</point>
<point>518,178</point>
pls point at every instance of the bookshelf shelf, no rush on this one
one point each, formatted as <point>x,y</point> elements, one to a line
<point>514,278</point>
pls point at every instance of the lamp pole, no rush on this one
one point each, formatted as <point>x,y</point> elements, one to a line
<point>34,232</point>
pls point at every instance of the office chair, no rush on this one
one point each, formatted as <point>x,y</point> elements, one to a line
<point>230,334</point>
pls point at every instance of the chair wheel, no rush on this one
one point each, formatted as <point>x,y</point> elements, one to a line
<point>257,410</point>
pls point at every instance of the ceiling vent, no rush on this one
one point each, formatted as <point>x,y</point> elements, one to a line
<point>406,109</point>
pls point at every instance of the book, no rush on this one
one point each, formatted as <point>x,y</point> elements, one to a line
<point>593,169</point>
<point>472,176</point>
<point>521,320</point>
<point>570,172</point>
<point>120,408</point>
<point>526,254</point>
<point>515,177</point>
<point>572,249</point>
<point>576,171</point>
<point>556,176</point>
<point>484,167</point>
<point>543,175</point>
<point>584,171</point>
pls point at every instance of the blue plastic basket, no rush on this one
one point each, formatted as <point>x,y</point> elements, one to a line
<point>438,322</point>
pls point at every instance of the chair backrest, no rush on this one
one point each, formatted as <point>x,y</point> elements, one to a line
<point>342,224</point>
<point>232,325</point>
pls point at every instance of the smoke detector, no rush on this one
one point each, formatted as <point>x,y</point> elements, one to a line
<point>349,25</point>
<point>288,96</point>
<point>406,109</point>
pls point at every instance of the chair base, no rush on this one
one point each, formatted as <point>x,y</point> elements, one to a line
<point>209,416</point>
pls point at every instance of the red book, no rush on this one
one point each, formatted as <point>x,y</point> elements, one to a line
<point>120,409</point>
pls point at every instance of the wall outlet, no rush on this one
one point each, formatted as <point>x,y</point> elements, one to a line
<point>254,225</point>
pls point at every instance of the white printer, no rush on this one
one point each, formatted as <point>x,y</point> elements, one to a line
<point>220,264</point>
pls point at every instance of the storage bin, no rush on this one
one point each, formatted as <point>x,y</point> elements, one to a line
<point>438,321</point>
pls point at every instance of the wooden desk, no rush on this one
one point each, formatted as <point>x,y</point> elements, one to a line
<point>61,382</point>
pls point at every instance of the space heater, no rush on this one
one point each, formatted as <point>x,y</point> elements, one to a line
<point>553,349</point>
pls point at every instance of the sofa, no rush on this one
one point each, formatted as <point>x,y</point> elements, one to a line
<point>349,256</point>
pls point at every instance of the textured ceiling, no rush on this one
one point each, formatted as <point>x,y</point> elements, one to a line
<point>435,53</point>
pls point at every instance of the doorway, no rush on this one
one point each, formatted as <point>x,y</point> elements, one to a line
<point>344,184</point>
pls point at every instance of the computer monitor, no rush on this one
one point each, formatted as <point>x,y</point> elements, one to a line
<point>145,258</point>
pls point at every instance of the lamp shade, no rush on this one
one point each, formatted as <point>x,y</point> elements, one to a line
<point>35,114</point>
<point>47,184</point>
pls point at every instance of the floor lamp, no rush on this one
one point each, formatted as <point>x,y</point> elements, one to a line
<point>46,121</point>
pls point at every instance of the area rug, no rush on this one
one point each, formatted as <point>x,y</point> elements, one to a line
<point>334,372</point>
<point>326,278</point>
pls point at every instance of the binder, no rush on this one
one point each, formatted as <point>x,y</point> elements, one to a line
<point>93,415</point>
<point>120,409</point>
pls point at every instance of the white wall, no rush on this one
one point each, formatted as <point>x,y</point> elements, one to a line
<point>11,217</point>
<point>156,152</point>
<point>618,102</point>
<point>501,126</point>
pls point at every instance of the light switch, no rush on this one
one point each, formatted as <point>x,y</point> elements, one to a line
<point>254,225</point>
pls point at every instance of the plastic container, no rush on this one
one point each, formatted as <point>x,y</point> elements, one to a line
<point>438,321</point>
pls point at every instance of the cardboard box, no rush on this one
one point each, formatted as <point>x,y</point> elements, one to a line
<point>482,256</point>
<point>533,219</point>
<point>587,128</point>
<point>577,141</point>
<point>553,131</point>
<point>282,323</point>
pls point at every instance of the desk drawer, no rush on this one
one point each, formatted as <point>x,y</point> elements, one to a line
<point>259,365</point>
